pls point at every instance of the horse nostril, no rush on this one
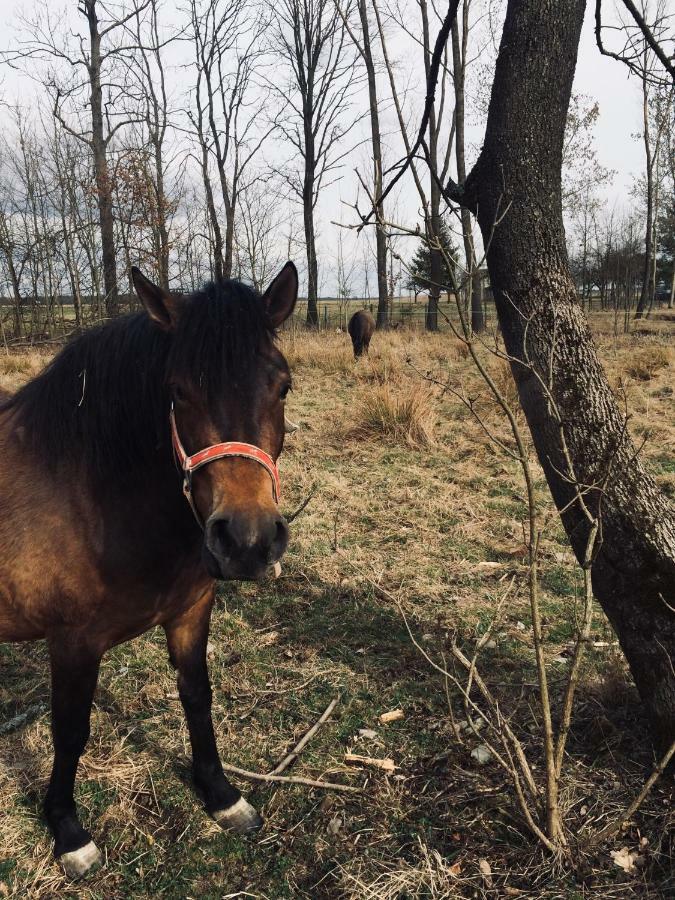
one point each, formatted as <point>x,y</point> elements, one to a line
<point>218,536</point>
<point>281,536</point>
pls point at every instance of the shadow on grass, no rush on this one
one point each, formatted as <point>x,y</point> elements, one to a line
<point>347,627</point>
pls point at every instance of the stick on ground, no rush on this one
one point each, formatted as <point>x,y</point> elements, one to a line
<point>287,779</point>
<point>293,755</point>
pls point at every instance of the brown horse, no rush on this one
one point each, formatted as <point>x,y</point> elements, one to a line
<point>98,543</point>
<point>361,327</point>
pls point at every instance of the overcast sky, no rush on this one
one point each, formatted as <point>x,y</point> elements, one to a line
<point>601,78</point>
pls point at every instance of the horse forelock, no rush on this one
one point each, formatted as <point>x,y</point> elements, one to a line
<point>220,332</point>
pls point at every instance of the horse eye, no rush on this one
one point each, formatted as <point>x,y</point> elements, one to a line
<point>177,393</point>
<point>283,393</point>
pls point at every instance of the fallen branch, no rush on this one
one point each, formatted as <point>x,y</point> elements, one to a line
<point>293,755</point>
<point>387,765</point>
<point>288,779</point>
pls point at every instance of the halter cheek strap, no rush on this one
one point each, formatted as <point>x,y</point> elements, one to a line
<point>190,464</point>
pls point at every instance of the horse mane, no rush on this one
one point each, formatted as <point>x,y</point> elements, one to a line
<point>103,402</point>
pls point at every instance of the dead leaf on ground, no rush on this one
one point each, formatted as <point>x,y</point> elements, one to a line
<point>334,825</point>
<point>485,871</point>
<point>626,859</point>
<point>367,734</point>
<point>481,754</point>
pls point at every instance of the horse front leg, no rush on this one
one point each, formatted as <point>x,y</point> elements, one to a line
<point>74,670</point>
<point>187,637</point>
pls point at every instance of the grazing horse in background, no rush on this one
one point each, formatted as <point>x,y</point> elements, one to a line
<point>361,327</point>
<point>98,456</point>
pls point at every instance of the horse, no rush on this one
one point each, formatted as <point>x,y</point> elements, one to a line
<point>135,471</point>
<point>361,327</point>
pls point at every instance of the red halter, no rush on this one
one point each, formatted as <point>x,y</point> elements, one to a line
<point>190,464</point>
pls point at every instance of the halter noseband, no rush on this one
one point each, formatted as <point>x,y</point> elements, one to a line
<point>190,464</point>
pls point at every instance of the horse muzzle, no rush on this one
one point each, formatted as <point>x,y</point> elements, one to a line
<point>239,546</point>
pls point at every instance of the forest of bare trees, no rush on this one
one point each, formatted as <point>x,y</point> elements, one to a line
<point>202,142</point>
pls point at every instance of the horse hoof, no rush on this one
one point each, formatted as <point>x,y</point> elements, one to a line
<point>77,863</point>
<point>240,817</point>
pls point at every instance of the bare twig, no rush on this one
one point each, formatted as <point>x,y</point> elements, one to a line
<point>297,750</point>
<point>620,823</point>
<point>288,779</point>
<point>303,505</point>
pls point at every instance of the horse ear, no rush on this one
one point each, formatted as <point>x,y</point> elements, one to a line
<point>282,294</point>
<point>158,303</point>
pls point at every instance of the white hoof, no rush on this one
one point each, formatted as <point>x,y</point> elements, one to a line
<point>290,427</point>
<point>241,817</point>
<point>77,863</point>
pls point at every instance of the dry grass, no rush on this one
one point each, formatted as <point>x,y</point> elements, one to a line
<point>427,875</point>
<point>404,415</point>
<point>646,362</point>
<point>16,368</point>
<point>441,526</point>
<point>330,353</point>
<point>500,369</point>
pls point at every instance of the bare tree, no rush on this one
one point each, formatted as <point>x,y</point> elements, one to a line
<point>262,213</point>
<point>147,90</point>
<point>309,35</point>
<point>228,107</point>
<point>364,46</point>
<point>438,127</point>
<point>89,61</point>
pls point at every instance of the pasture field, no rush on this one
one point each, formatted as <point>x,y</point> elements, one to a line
<point>414,496</point>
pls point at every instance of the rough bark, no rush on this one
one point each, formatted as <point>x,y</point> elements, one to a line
<point>541,321</point>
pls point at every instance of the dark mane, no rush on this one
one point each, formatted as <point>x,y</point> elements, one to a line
<point>103,402</point>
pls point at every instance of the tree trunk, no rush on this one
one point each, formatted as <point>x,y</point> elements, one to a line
<point>649,199</point>
<point>459,73</point>
<point>212,214</point>
<point>99,150</point>
<point>435,268</point>
<point>520,164</point>
<point>433,217</point>
<point>162,230</point>
<point>383,312</point>
<point>229,237</point>
<point>16,291</point>
<point>308,219</point>
<point>312,270</point>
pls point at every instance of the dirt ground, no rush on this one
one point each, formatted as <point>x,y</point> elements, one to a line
<point>417,499</point>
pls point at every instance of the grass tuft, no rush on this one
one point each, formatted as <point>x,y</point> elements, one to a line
<point>646,362</point>
<point>405,415</point>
